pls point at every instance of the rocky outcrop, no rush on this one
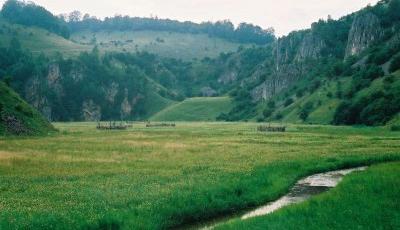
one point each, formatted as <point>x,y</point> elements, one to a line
<point>365,30</point>
<point>54,79</point>
<point>208,92</point>
<point>35,97</point>
<point>228,77</point>
<point>91,111</point>
<point>310,47</point>
<point>126,107</point>
<point>277,82</point>
<point>111,92</point>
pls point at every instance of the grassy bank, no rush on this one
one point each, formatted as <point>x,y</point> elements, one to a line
<point>195,109</point>
<point>366,200</point>
<point>152,178</point>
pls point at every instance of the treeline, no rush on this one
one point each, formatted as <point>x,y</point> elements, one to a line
<point>244,33</point>
<point>30,14</point>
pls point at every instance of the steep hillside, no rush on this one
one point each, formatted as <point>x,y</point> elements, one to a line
<point>19,118</point>
<point>167,44</point>
<point>318,75</point>
<point>38,40</point>
<point>195,109</point>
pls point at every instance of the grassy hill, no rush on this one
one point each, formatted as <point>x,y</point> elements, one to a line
<point>166,44</point>
<point>19,118</point>
<point>195,109</point>
<point>38,40</point>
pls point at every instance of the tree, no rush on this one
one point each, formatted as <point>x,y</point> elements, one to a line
<point>306,110</point>
<point>395,64</point>
<point>75,16</point>
<point>288,102</point>
<point>29,14</point>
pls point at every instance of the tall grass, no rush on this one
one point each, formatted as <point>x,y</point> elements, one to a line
<point>155,178</point>
<point>364,200</point>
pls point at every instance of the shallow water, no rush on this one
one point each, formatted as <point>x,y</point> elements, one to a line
<point>303,190</point>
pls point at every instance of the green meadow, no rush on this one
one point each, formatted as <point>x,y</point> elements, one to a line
<point>157,178</point>
<point>364,200</point>
<point>195,109</point>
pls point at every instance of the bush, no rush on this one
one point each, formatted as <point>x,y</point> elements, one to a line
<point>315,85</point>
<point>260,119</point>
<point>395,128</point>
<point>300,93</point>
<point>271,104</point>
<point>306,110</point>
<point>279,116</point>
<point>288,102</point>
<point>268,112</point>
<point>395,64</point>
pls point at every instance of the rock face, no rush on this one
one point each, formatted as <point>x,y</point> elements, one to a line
<point>91,111</point>
<point>126,107</point>
<point>228,77</point>
<point>282,79</point>
<point>366,29</point>
<point>208,92</point>
<point>310,47</point>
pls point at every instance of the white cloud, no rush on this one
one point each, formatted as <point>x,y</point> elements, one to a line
<point>283,15</point>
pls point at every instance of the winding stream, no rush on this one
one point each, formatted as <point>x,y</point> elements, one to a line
<point>303,190</point>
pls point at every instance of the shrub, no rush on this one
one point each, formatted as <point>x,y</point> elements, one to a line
<point>395,128</point>
<point>279,116</point>
<point>300,93</point>
<point>395,64</point>
<point>306,110</point>
<point>271,104</point>
<point>268,112</point>
<point>288,102</point>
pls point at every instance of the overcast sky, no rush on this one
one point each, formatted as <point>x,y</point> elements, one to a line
<point>283,15</point>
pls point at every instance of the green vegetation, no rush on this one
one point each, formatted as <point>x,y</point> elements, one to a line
<point>38,40</point>
<point>370,105</point>
<point>29,14</point>
<point>365,200</point>
<point>19,118</point>
<point>243,33</point>
<point>183,46</point>
<point>195,109</point>
<point>152,178</point>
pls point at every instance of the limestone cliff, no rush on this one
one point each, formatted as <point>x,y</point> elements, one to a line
<point>365,30</point>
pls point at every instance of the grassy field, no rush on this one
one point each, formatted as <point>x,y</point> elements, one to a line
<point>166,44</point>
<point>195,109</point>
<point>154,178</point>
<point>367,200</point>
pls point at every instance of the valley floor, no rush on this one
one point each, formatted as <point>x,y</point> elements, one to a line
<point>153,178</point>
